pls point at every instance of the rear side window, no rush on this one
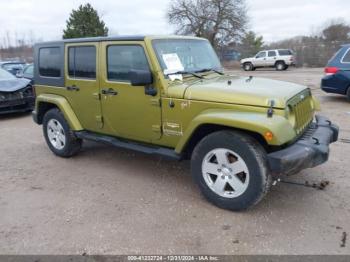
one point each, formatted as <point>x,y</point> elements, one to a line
<point>49,62</point>
<point>272,53</point>
<point>82,62</point>
<point>346,58</point>
<point>285,52</point>
<point>123,58</point>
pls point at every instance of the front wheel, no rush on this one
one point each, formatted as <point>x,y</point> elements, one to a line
<point>58,135</point>
<point>248,67</point>
<point>230,169</point>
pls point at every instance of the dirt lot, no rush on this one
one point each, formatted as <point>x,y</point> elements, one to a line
<point>112,201</point>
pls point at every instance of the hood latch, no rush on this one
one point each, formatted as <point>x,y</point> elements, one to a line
<point>270,111</point>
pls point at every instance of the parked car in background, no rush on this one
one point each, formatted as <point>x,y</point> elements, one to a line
<point>16,94</point>
<point>337,79</point>
<point>27,72</point>
<point>280,59</point>
<point>14,67</point>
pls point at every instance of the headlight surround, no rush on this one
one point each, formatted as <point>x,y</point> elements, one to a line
<point>290,115</point>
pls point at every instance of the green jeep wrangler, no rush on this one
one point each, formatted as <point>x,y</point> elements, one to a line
<point>169,96</point>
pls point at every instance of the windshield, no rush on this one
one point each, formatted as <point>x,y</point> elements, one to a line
<point>12,66</point>
<point>6,75</point>
<point>185,55</point>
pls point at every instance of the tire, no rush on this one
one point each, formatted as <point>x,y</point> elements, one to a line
<point>280,66</point>
<point>58,135</point>
<point>348,94</point>
<point>286,67</point>
<point>241,152</point>
<point>248,67</point>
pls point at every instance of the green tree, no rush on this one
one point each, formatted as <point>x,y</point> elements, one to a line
<point>251,44</point>
<point>84,22</point>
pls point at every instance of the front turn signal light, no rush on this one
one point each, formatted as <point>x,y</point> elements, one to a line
<point>268,136</point>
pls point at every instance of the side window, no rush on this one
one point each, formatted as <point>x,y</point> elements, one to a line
<point>284,52</point>
<point>346,58</point>
<point>123,58</point>
<point>82,62</point>
<point>272,53</point>
<point>261,55</point>
<point>29,71</point>
<point>49,62</point>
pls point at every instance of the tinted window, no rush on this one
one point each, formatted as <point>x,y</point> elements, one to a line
<point>261,55</point>
<point>82,62</point>
<point>272,53</point>
<point>346,58</point>
<point>122,59</point>
<point>49,62</point>
<point>285,52</point>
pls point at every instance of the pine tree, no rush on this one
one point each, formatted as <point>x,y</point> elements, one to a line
<point>84,22</point>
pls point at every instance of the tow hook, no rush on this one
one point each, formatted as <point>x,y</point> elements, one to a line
<point>274,183</point>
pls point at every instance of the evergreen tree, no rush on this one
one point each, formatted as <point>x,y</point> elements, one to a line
<point>84,22</point>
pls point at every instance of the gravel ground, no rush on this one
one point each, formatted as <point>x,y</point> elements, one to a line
<point>112,201</point>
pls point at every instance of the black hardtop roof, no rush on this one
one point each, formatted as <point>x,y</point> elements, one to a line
<point>97,39</point>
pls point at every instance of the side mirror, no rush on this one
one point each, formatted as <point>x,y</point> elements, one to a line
<point>141,77</point>
<point>19,74</point>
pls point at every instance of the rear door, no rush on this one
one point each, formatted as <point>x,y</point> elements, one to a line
<point>127,111</point>
<point>82,83</point>
<point>271,58</point>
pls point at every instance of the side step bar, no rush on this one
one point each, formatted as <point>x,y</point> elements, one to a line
<point>144,148</point>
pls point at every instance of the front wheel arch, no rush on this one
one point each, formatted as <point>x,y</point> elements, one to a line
<point>204,130</point>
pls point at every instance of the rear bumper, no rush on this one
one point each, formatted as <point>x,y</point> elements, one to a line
<point>309,151</point>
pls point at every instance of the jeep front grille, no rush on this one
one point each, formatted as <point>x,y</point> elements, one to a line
<point>301,107</point>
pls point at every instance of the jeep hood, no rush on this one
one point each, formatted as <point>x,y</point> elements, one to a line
<point>243,90</point>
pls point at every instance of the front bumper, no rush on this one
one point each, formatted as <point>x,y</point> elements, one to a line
<point>24,104</point>
<point>311,150</point>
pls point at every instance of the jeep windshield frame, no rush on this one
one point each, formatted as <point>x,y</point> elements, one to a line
<point>194,55</point>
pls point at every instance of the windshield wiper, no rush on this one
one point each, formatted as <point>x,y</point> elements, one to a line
<point>210,69</point>
<point>186,73</point>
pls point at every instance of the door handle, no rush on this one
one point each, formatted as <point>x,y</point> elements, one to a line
<point>72,88</point>
<point>109,91</point>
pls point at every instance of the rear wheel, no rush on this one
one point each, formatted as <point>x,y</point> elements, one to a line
<point>348,94</point>
<point>248,67</point>
<point>58,135</point>
<point>231,170</point>
<point>280,66</point>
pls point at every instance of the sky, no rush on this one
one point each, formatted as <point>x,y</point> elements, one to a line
<point>273,19</point>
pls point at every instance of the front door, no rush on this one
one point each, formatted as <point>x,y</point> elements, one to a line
<point>260,59</point>
<point>82,83</point>
<point>127,111</point>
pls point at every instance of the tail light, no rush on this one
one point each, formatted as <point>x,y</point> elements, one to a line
<point>331,70</point>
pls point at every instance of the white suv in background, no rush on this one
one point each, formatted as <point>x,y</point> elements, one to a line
<point>280,59</point>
